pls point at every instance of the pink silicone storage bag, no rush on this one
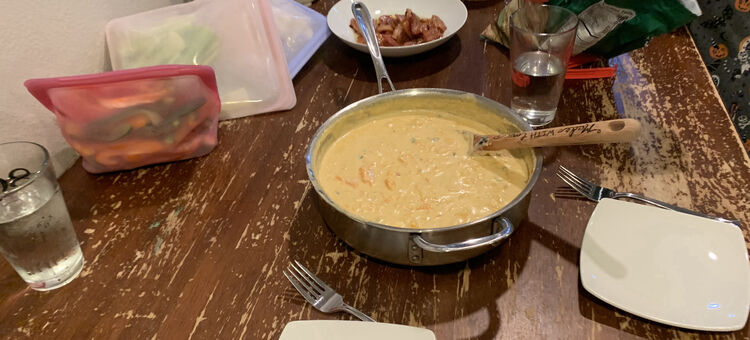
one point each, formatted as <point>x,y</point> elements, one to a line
<point>127,119</point>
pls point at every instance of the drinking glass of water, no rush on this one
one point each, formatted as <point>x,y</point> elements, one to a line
<point>36,235</point>
<point>542,38</point>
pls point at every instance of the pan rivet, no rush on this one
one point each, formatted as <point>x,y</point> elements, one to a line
<point>413,247</point>
<point>415,258</point>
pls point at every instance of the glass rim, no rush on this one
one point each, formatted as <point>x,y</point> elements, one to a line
<point>512,26</point>
<point>33,174</point>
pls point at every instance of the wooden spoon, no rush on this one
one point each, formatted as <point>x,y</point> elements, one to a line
<point>608,131</point>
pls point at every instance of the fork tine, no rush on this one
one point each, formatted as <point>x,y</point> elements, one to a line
<point>312,276</point>
<point>589,187</point>
<point>302,291</point>
<point>299,273</point>
<point>584,187</point>
<point>567,179</point>
<point>572,183</point>
<point>585,192</point>
<point>572,194</point>
<point>567,191</point>
<point>315,292</point>
<point>578,196</point>
<point>579,179</point>
<point>564,169</point>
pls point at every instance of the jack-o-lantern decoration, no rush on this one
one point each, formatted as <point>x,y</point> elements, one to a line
<point>742,5</point>
<point>718,51</point>
<point>744,45</point>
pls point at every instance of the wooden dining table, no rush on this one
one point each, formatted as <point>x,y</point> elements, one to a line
<point>196,249</point>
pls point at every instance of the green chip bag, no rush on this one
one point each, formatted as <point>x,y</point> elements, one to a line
<point>612,27</point>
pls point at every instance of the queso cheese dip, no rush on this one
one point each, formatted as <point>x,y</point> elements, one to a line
<point>413,170</point>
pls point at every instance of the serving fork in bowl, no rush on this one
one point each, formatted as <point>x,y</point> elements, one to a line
<point>591,191</point>
<point>318,293</point>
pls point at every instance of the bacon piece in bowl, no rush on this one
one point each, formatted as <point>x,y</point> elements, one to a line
<point>403,30</point>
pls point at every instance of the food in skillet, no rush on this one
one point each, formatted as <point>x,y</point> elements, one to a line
<point>403,30</point>
<point>412,169</point>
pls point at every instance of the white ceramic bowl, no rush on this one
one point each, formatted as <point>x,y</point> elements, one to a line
<point>452,12</point>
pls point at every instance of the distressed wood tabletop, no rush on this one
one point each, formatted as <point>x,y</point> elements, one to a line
<point>196,249</point>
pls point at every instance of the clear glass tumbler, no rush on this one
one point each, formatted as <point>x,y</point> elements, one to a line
<point>36,235</point>
<point>542,37</point>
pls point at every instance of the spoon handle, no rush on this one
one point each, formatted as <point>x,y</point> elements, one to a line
<point>364,20</point>
<point>608,131</point>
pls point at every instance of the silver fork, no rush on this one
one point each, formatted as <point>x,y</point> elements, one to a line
<point>596,193</point>
<point>318,293</point>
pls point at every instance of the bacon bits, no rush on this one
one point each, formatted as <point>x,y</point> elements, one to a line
<point>403,30</point>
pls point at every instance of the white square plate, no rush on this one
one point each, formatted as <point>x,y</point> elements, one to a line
<point>347,330</point>
<point>670,267</point>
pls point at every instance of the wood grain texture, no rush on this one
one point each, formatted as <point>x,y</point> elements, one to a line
<point>195,249</point>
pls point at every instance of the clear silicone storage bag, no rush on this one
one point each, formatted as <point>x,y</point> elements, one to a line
<point>127,119</point>
<point>237,38</point>
<point>302,31</point>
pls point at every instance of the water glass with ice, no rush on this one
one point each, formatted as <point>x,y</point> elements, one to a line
<point>542,38</point>
<point>36,234</point>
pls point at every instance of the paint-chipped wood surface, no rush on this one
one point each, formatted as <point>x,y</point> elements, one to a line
<point>195,249</point>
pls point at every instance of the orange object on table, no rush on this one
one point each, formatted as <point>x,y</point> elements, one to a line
<point>587,73</point>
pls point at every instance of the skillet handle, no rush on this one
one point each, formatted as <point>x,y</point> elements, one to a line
<point>505,231</point>
<point>364,20</point>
